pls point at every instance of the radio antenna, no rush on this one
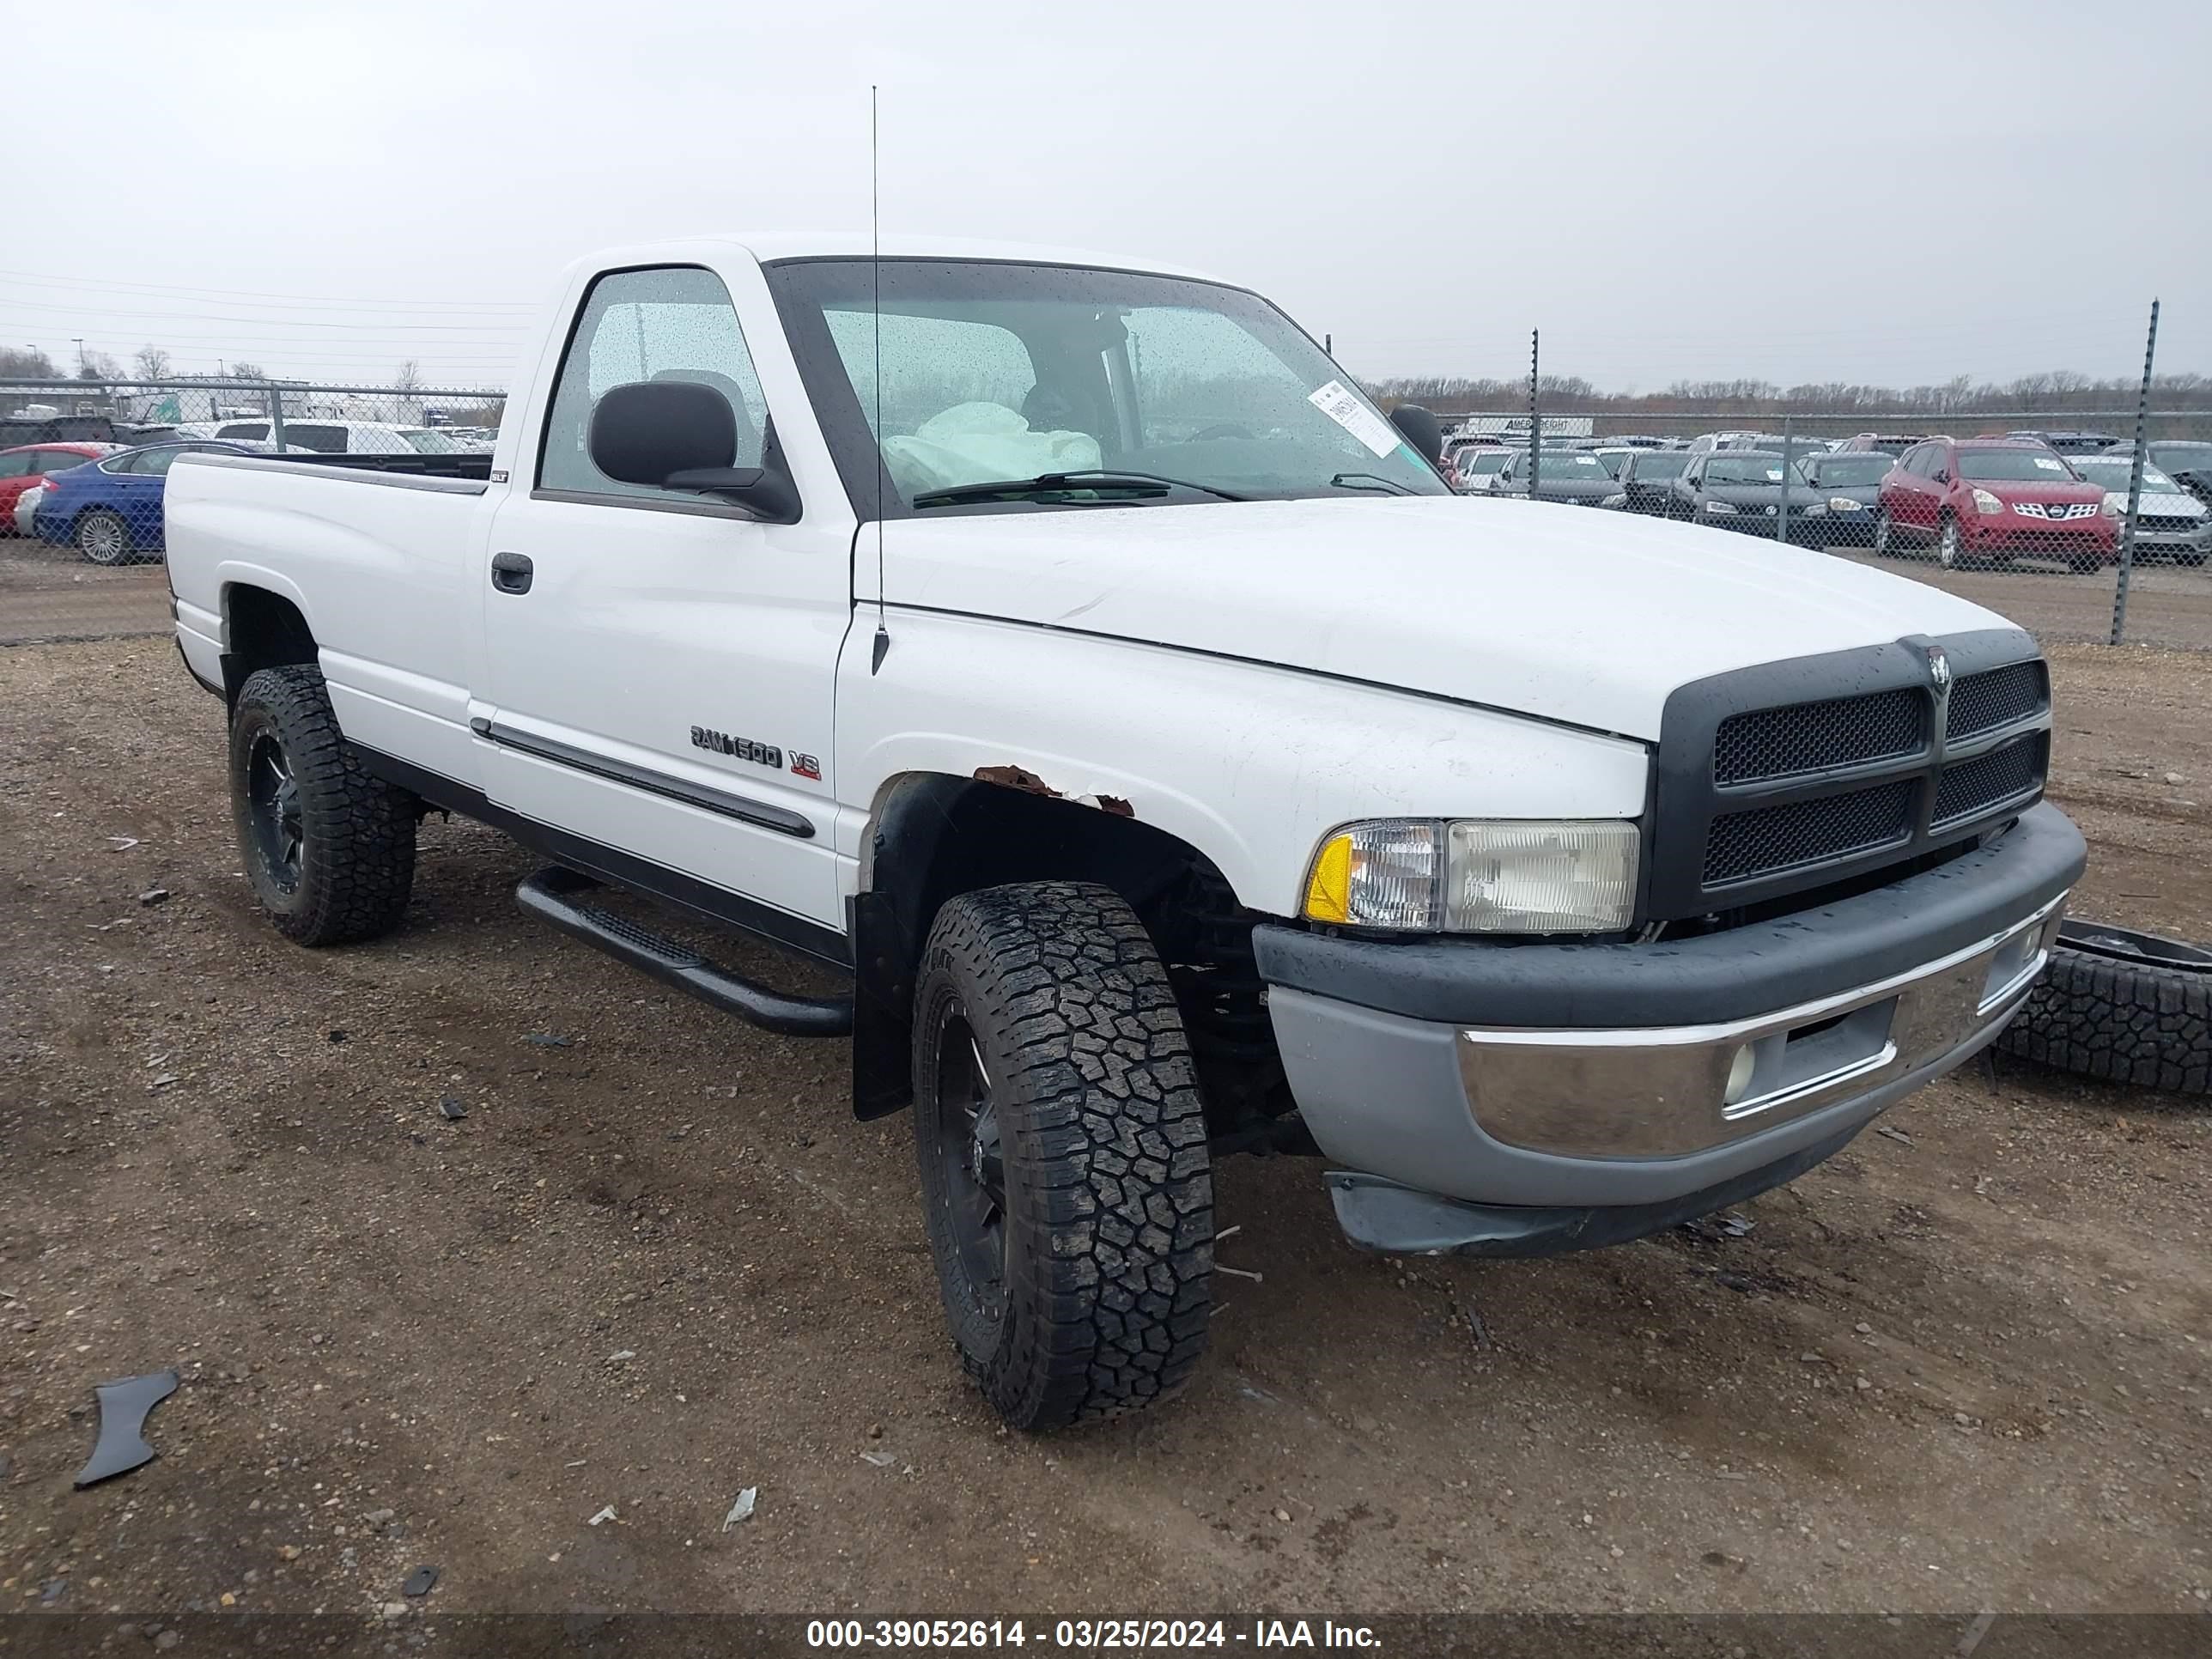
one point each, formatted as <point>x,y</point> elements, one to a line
<point>883,640</point>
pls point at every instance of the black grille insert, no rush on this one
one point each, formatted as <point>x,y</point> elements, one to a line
<point>1987,780</point>
<point>1765,839</point>
<point>1983,702</point>
<point>1813,736</point>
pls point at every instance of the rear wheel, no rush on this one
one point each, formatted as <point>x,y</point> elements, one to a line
<point>1067,1186</point>
<point>103,537</point>
<point>329,847</point>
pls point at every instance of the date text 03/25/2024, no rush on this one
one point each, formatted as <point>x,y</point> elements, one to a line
<point>1084,1635</point>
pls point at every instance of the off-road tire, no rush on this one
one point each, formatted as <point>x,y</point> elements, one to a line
<point>2103,1017</point>
<point>355,856</point>
<point>1108,1188</point>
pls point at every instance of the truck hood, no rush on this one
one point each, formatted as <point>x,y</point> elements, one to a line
<point>1542,608</point>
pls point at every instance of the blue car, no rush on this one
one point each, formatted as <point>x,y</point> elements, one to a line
<point>110,510</point>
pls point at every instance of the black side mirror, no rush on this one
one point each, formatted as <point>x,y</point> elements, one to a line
<point>1421,429</point>
<point>679,434</point>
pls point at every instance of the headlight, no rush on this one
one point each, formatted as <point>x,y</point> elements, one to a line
<point>1845,504</point>
<point>2115,505</point>
<point>1620,499</point>
<point>1718,506</point>
<point>1478,876</point>
<point>1814,510</point>
<point>1985,502</point>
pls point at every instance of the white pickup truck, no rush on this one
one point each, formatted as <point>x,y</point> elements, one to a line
<point>1071,655</point>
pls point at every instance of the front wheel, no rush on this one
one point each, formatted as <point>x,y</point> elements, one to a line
<point>1947,545</point>
<point>1882,535</point>
<point>1067,1186</point>
<point>103,537</point>
<point>329,847</point>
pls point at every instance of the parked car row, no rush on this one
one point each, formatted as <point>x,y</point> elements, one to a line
<point>105,502</point>
<point>1966,503</point>
<point>105,499</point>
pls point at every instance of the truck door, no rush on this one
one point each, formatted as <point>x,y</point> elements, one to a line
<point>658,664</point>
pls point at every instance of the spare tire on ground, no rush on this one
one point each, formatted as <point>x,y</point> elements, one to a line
<point>2125,1006</point>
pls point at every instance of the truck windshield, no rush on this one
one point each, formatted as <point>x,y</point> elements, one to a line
<point>996,371</point>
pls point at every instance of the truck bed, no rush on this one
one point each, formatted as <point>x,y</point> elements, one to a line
<point>380,469</point>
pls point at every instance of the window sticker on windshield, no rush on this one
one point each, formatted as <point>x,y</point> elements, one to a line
<point>1341,404</point>
<point>1774,475</point>
<point>2050,463</point>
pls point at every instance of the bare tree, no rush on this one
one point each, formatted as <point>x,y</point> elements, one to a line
<point>409,381</point>
<point>96,366</point>
<point>249,372</point>
<point>28,363</point>
<point>152,362</point>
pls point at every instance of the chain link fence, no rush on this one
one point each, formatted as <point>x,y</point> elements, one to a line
<point>2033,506</point>
<point>2040,503</point>
<point>84,464</point>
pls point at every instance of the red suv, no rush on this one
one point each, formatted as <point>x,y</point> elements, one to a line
<point>1986,501</point>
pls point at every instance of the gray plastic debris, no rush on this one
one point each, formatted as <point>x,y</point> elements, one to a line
<point>620,1355</point>
<point>547,1040</point>
<point>123,1407</point>
<point>153,895</point>
<point>743,1509</point>
<point>419,1582</point>
<point>882,1460</point>
<point>452,1108</point>
<point>607,1513</point>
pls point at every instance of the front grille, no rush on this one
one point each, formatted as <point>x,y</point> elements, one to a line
<point>1813,736</point>
<point>2168,524</point>
<point>1789,777</point>
<point>1982,702</point>
<point>2058,512</point>
<point>2003,775</point>
<point>1767,839</point>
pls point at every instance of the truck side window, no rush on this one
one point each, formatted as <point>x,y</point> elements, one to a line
<point>672,323</point>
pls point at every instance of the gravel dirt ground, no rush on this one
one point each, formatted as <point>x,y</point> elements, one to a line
<point>55,593</point>
<point>1961,1366</point>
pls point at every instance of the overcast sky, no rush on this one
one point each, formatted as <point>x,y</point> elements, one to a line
<point>1880,193</point>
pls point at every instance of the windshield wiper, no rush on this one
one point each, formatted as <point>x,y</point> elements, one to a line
<point>1368,480</point>
<point>1052,483</point>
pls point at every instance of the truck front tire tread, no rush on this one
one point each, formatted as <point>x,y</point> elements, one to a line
<point>1110,1194</point>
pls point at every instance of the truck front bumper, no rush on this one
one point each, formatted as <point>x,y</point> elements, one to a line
<point>1522,1099</point>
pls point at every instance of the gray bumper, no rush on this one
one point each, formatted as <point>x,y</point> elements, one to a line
<point>2188,545</point>
<point>1592,1083</point>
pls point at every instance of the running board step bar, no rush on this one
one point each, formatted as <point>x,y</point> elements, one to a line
<point>556,894</point>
